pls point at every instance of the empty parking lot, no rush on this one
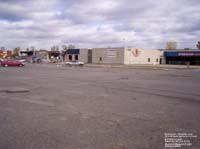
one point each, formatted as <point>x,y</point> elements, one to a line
<point>54,107</point>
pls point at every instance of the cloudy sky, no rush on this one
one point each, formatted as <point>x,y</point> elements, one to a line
<point>99,23</point>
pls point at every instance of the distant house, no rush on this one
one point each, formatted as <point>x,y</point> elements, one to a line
<point>27,55</point>
<point>1,54</point>
<point>5,54</point>
<point>9,53</point>
<point>42,54</point>
<point>54,56</point>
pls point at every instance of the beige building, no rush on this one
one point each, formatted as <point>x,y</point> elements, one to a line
<point>141,56</point>
<point>120,56</point>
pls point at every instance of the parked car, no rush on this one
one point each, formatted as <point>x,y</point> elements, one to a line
<point>12,63</point>
<point>21,60</point>
<point>45,61</point>
<point>73,63</point>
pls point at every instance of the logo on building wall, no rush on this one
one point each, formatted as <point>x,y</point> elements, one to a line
<point>136,52</point>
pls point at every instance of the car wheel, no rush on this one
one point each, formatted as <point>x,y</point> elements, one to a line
<point>6,65</point>
<point>81,65</point>
<point>21,65</point>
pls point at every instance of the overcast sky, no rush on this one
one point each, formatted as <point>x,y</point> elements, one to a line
<point>99,23</point>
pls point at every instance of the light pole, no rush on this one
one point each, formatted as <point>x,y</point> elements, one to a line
<point>124,42</point>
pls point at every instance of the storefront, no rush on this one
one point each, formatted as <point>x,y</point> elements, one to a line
<point>71,55</point>
<point>182,57</point>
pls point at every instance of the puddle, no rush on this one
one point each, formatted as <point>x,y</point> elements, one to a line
<point>15,91</point>
<point>123,78</point>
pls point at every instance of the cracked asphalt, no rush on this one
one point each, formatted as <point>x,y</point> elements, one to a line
<point>55,107</point>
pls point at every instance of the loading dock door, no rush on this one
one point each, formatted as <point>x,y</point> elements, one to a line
<point>89,56</point>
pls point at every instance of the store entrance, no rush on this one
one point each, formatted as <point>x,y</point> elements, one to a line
<point>194,60</point>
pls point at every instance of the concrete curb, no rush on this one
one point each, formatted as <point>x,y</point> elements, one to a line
<point>143,66</point>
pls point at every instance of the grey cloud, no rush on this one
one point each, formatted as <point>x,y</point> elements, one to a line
<point>144,23</point>
<point>24,10</point>
<point>12,12</point>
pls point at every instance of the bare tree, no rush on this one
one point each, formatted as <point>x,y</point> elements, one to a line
<point>171,45</point>
<point>33,48</point>
<point>64,47</point>
<point>16,51</point>
<point>198,45</point>
<point>71,46</point>
<point>55,48</point>
<point>3,48</point>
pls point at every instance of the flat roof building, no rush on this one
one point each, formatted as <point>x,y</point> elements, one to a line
<point>182,57</point>
<point>129,56</point>
<point>142,56</point>
<point>121,55</point>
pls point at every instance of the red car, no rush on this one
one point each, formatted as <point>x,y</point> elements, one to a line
<point>12,63</point>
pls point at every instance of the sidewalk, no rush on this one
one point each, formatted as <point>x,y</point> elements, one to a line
<point>141,66</point>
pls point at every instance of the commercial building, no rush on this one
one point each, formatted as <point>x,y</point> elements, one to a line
<point>121,56</point>
<point>102,55</point>
<point>130,56</point>
<point>182,57</point>
<point>42,54</point>
<point>141,56</point>
<point>71,55</point>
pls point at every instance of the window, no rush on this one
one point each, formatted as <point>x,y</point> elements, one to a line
<point>157,60</point>
<point>100,59</point>
<point>76,57</point>
<point>70,57</point>
<point>149,59</point>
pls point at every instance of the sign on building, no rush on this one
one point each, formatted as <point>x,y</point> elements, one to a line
<point>111,53</point>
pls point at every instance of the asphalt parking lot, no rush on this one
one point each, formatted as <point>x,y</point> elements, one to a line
<point>54,107</point>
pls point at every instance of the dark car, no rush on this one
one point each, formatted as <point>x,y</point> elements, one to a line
<point>12,63</point>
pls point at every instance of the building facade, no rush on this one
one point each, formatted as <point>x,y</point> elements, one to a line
<point>102,55</point>
<point>182,57</point>
<point>121,56</point>
<point>71,55</point>
<point>141,56</point>
<point>5,54</point>
<point>129,56</point>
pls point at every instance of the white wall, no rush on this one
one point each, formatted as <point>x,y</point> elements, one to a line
<point>141,56</point>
